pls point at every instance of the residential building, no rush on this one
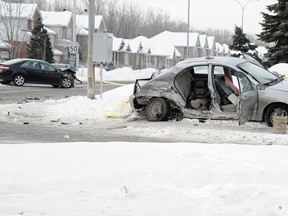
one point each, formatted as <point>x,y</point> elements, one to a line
<point>16,22</point>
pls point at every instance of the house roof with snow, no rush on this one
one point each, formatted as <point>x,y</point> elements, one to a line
<point>4,45</point>
<point>211,42</point>
<point>140,44</point>
<point>117,44</point>
<point>82,23</point>
<point>226,48</point>
<point>56,18</point>
<point>179,39</point>
<point>219,47</point>
<point>203,41</point>
<point>18,10</point>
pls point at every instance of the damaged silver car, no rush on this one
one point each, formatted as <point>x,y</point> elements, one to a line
<point>212,88</point>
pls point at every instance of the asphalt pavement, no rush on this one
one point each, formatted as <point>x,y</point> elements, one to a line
<point>21,133</point>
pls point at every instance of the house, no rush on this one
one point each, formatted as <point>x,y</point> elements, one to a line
<point>163,53</point>
<point>211,51</point>
<point>16,22</point>
<point>82,27</point>
<point>4,47</point>
<point>117,45</point>
<point>59,27</point>
<point>203,45</point>
<point>179,40</point>
<point>135,52</point>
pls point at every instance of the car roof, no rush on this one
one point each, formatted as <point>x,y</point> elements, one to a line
<point>19,60</point>
<point>213,59</point>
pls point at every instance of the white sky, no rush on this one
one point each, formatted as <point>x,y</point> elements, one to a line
<point>220,14</point>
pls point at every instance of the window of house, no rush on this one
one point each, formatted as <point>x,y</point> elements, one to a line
<point>60,33</point>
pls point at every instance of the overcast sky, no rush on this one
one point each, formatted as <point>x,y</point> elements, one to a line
<point>223,14</point>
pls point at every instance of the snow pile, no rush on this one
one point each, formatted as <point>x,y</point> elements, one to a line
<point>72,110</point>
<point>281,68</point>
<point>143,179</point>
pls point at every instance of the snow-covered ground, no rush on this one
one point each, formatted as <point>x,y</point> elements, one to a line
<point>207,172</point>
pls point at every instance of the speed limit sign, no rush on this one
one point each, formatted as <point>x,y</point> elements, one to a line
<point>73,48</point>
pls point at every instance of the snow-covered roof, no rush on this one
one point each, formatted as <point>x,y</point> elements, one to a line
<point>211,42</point>
<point>4,45</point>
<point>226,48</point>
<point>18,10</point>
<point>117,44</point>
<point>56,18</point>
<point>140,44</point>
<point>179,39</point>
<point>57,52</point>
<point>203,41</point>
<point>219,47</point>
<point>163,49</point>
<point>82,23</point>
<point>50,31</point>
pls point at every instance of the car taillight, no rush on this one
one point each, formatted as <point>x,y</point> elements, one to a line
<point>4,68</point>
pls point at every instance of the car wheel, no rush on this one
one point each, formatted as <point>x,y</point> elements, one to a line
<point>66,82</point>
<point>157,109</point>
<point>19,80</point>
<point>271,112</point>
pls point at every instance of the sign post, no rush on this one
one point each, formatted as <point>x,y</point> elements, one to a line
<point>74,56</point>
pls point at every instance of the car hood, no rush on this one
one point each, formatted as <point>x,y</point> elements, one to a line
<point>281,86</point>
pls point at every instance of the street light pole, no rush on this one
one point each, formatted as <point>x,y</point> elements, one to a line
<point>91,73</point>
<point>188,29</point>
<point>243,8</point>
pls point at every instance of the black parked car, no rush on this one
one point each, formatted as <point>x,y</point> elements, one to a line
<point>23,70</point>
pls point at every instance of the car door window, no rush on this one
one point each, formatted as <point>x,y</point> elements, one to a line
<point>31,65</point>
<point>46,67</point>
<point>244,83</point>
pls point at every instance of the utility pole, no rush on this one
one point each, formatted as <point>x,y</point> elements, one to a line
<point>91,72</point>
<point>188,29</point>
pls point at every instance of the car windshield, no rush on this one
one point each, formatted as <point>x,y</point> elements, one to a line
<point>260,74</point>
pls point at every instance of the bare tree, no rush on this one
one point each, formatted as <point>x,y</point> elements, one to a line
<point>111,15</point>
<point>13,27</point>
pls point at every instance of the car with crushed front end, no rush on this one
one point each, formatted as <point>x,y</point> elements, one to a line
<point>22,70</point>
<point>220,87</point>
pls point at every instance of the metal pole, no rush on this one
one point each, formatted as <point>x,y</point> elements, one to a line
<point>188,29</point>
<point>101,80</point>
<point>243,8</point>
<point>74,21</point>
<point>91,72</point>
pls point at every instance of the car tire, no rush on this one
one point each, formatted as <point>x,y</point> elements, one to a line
<point>271,112</point>
<point>19,80</point>
<point>157,109</point>
<point>66,83</point>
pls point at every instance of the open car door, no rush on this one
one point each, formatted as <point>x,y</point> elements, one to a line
<point>247,99</point>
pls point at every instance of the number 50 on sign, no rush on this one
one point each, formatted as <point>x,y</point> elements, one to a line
<point>73,48</point>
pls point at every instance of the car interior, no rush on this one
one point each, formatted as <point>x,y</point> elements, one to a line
<point>192,84</point>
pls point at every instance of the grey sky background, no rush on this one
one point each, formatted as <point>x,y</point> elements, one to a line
<point>220,14</point>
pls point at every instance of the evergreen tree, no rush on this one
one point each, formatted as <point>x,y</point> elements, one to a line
<point>241,42</point>
<point>274,31</point>
<point>40,46</point>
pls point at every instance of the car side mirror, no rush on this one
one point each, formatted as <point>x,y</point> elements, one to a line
<point>276,73</point>
<point>260,87</point>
